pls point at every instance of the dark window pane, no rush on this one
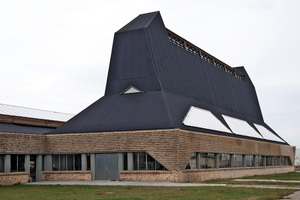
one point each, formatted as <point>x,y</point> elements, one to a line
<point>150,163</point>
<point>88,162</point>
<point>13,163</point>
<point>142,161</point>
<point>55,162</point>
<point>135,161</point>
<point>62,162</point>
<point>21,163</point>
<point>70,162</point>
<point>125,162</point>
<point>1,163</point>
<point>159,166</point>
<point>77,161</point>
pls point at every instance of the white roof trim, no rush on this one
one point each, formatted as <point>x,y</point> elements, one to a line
<point>241,127</point>
<point>267,134</point>
<point>132,90</point>
<point>201,118</point>
<point>33,113</point>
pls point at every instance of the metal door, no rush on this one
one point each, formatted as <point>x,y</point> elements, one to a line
<point>107,167</point>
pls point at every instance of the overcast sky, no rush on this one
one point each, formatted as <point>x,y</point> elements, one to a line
<point>54,55</point>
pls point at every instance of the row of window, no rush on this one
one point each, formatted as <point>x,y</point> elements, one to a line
<point>70,162</point>
<point>142,161</point>
<point>203,160</point>
<point>203,55</point>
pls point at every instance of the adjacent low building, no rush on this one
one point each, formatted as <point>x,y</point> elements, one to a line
<point>171,112</point>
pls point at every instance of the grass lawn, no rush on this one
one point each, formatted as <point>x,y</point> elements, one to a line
<point>123,192</point>
<point>295,176</point>
<point>291,176</point>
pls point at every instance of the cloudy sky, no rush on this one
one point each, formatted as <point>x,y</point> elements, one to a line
<point>54,55</point>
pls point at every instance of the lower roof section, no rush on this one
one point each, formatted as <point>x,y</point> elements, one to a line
<point>155,110</point>
<point>18,128</point>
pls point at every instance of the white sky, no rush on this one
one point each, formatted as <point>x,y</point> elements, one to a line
<point>54,55</point>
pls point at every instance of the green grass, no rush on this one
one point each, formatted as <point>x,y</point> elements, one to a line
<point>291,176</point>
<point>122,192</point>
<point>287,176</point>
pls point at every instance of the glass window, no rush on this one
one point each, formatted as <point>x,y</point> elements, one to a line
<point>207,160</point>
<point>62,160</point>
<point>224,160</point>
<point>70,164</point>
<point>142,161</point>
<point>249,161</point>
<point>276,160</point>
<point>259,161</point>
<point>150,163</point>
<point>55,162</point>
<point>1,163</point>
<point>159,166</point>
<point>77,161</point>
<point>21,163</point>
<point>125,161</point>
<point>88,162</point>
<point>135,161</point>
<point>237,160</point>
<point>13,163</point>
<point>269,161</point>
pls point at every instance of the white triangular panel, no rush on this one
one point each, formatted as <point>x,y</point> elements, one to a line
<point>267,134</point>
<point>241,127</point>
<point>201,118</point>
<point>132,90</point>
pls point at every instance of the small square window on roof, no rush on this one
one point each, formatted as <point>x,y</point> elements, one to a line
<point>132,90</point>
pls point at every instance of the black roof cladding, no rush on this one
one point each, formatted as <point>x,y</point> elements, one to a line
<point>172,80</point>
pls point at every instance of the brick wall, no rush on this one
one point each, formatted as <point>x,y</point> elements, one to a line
<point>22,143</point>
<point>203,175</point>
<point>67,176</point>
<point>172,147</point>
<point>14,178</point>
<point>151,176</point>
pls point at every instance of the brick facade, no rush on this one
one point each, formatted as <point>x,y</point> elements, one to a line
<point>13,178</point>
<point>171,147</point>
<point>67,176</point>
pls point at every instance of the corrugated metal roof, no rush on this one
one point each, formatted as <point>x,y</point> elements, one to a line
<point>241,127</point>
<point>33,113</point>
<point>201,118</point>
<point>267,134</point>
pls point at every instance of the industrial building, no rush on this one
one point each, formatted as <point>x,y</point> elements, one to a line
<point>171,112</point>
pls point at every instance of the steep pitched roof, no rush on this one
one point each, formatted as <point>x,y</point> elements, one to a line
<point>173,76</point>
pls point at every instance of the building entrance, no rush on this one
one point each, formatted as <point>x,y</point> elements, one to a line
<point>106,167</point>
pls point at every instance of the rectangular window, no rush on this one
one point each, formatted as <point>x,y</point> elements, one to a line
<point>237,160</point>
<point>88,162</point>
<point>70,164</point>
<point>55,162</point>
<point>249,161</point>
<point>17,163</point>
<point>62,160</point>
<point>135,161</point>
<point>125,162</point>
<point>276,160</point>
<point>224,160</point>
<point>259,161</point>
<point>142,161</point>
<point>1,163</point>
<point>269,161</point>
<point>77,161</point>
<point>207,160</point>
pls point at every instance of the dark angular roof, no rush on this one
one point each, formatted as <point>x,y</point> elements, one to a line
<point>19,128</point>
<point>172,79</point>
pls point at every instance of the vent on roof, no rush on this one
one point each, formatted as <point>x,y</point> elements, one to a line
<point>132,90</point>
<point>201,118</point>
<point>241,127</point>
<point>267,134</point>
